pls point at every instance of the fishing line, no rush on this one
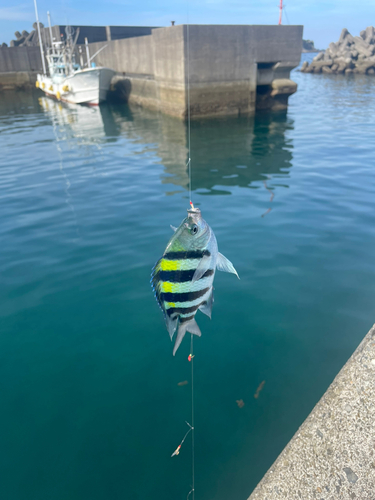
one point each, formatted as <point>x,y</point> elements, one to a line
<point>191,427</point>
<point>191,359</point>
<point>191,355</point>
<point>188,100</point>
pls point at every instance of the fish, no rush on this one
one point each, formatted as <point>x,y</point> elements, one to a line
<point>182,279</point>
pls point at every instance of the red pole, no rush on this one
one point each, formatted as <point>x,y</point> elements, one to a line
<point>281,10</point>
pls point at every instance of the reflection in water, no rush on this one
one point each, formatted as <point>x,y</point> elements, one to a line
<point>87,124</point>
<point>271,197</point>
<point>239,151</point>
<point>226,152</point>
<point>63,120</point>
<point>14,102</point>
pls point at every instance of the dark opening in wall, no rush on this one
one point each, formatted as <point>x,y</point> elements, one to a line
<point>266,65</point>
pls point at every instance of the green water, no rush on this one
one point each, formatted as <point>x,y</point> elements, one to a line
<point>90,402</point>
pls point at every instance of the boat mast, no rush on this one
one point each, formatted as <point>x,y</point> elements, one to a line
<point>50,30</point>
<point>87,52</point>
<point>281,10</point>
<point>40,39</point>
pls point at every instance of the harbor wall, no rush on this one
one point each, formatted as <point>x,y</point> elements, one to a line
<point>223,70</point>
<point>128,55</point>
<point>233,69</point>
<point>20,59</point>
<point>19,67</point>
<point>332,453</point>
<point>133,60</point>
<point>96,34</point>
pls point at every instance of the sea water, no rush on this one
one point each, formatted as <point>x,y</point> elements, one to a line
<point>91,401</point>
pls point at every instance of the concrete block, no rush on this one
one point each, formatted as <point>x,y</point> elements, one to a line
<point>283,86</point>
<point>332,453</point>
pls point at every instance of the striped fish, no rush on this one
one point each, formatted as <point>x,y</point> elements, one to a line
<point>182,279</point>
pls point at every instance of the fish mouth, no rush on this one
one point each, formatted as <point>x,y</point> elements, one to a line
<point>194,213</point>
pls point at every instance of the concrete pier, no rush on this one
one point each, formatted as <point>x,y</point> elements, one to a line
<point>332,455</point>
<point>233,69</point>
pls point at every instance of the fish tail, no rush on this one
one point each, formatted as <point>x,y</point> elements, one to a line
<point>188,326</point>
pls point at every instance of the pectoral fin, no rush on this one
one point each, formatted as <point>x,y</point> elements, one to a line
<point>223,264</point>
<point>173,228</point>
<point>206,308</point>
<point>201,269</point>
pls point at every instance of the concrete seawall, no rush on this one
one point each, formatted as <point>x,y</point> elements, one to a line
<point>233,69</point>
<point>332,455</point>
<point>19,67</point>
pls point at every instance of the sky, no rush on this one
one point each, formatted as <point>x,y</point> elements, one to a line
<point>323,20</point>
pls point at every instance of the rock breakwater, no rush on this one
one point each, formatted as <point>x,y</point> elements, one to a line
<point>25,39</point>
<point>350,54</point>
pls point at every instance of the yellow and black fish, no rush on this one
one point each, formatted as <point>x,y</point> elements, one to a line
<point>182,279</point>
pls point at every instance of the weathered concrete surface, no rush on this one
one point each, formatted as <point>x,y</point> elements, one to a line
<point>222,69</point>
<point>169,45</point>
<point>225,65</point>
<point>130,55</point>
<point>136,89</point>
<point>20,59</point>
<point>17,80</point>
<point>332,455</point>
<point>277,43</point>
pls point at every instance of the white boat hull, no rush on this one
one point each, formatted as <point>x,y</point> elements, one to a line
<point>88,86</point>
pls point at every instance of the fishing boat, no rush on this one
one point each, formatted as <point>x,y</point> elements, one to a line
<point>69,80</point>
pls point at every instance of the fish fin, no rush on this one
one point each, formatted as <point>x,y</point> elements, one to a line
<point>171,325</point>
<point>223,264</point>
<point>190,326</point>
<point>201,269</point>
<point>174,228</point>
<point>206,307</point>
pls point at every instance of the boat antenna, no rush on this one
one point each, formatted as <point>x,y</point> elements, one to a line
<point>40,39</point>
<point>87,53</point>
<point>281,11</point>
<point>50,29</point>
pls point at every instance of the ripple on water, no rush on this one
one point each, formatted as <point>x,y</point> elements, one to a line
<point>86,199</point>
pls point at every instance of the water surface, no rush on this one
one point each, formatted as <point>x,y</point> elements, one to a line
<point>91,406</point>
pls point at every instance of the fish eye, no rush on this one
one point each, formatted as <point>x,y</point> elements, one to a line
<point>194,229</point>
